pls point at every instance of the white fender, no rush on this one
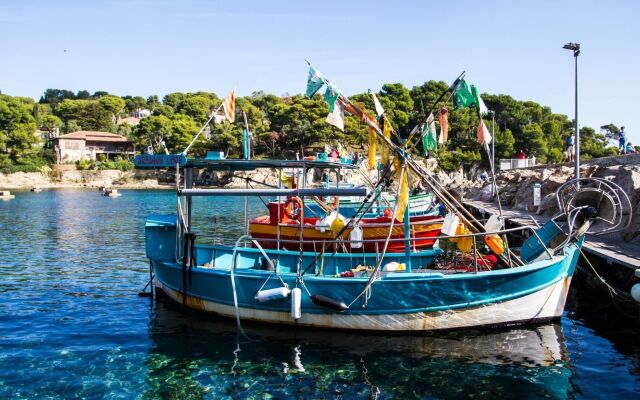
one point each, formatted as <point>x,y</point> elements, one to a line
<point>272,294</point>
<point>296,303</point>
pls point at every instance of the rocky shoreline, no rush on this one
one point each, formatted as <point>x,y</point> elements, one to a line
<point>82,179</point>
<point>516,186</point>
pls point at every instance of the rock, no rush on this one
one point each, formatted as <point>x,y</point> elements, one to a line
<point>485,194</point>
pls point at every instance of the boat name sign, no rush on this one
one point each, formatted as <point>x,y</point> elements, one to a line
<point>159,160</point>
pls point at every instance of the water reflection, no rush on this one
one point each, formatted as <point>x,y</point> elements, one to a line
<point>202,357</point>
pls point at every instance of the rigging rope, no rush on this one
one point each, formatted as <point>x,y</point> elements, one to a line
<point>372,278</point>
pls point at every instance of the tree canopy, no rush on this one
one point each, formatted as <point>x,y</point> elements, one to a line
<point>283,125</point>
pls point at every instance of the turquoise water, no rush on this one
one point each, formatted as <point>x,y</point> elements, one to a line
<point>73,326</point>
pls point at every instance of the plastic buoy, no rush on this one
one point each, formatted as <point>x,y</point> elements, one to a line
<point>328,302</point>
<point>272,294</point>
<point>338,223</point>
<point>296,303</point>
<point>495,243</point>
<point>493,224</point>
<point>394,266</point>
<point>325,223</point>
<point>635,292</point>
<point>356,237</point>
<point>450,224</point>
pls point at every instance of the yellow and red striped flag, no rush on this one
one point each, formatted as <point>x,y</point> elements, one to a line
<point>229,105</point>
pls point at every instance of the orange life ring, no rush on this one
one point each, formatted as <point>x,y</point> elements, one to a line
<point>291,211</point>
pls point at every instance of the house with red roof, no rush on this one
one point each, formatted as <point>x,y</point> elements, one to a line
<point>89,145</point>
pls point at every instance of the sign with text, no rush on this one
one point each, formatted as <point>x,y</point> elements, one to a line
<point>159,160</point>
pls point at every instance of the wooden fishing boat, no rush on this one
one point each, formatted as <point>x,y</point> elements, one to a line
<point>268,229</point>
<point>228,281</point>
<point>357,291</point>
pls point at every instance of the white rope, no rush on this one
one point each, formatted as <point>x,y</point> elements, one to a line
<point>203,128</point>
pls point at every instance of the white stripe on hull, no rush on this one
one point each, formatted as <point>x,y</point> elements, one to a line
<point>545,304</point>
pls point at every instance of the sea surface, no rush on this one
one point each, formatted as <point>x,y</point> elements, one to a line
<point>73,326</point>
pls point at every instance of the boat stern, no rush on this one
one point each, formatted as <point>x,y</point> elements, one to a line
<point>160,237</point>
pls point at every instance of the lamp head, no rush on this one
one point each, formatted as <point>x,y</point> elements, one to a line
<point>573,46</point>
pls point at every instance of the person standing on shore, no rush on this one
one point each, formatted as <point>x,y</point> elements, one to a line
<point>622,141</point>
<point>570,147</point>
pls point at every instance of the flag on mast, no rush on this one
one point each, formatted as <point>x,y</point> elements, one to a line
<point>429,142</point>
<point>483,133</point>
<point>336,117</point>
<point>314,82</point>
<point>371,160</point>
<point>229,106</point>
<point>444,124</point>
<point>482,108</point>
<point>463,96</point>
<point>376,104</point>
<point>331,96</point>
<point>402,201</point>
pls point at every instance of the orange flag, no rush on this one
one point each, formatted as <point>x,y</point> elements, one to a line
<point>229,105</point>
<point>444,124</point>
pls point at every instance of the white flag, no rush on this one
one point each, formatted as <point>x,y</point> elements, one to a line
<point>377,105</point>
<point>335,117</point>
<point>482,108</point>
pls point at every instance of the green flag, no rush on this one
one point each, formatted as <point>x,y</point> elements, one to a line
<point>463,96</point>
<point>330,96</point>
<point>314,82</point>
<point>429,142</point>
<point>482,109</point>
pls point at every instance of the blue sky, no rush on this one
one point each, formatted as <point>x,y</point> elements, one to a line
<point>144,47</point>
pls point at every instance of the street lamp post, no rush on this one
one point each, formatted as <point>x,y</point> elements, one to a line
<point>575,47</point>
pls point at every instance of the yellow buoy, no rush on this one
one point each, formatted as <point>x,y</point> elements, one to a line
<point>338,223</point>
<point>495,243</point>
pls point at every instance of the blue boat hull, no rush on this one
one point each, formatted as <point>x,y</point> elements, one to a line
<point>419,300</point>
<point>398,301</point>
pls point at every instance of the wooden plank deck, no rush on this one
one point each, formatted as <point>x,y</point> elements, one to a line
<point>613,251</point>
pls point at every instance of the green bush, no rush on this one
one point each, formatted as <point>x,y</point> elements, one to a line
<point>33,163</point>
<point>555,155</point>
<point>121,165</point>
<point>85,164</point>
<point>452,160</point>
<point>20,168</point>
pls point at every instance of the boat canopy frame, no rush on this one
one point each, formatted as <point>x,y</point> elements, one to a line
<point>250,165</point>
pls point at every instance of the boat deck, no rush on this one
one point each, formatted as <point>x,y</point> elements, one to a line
<point>613,251</point>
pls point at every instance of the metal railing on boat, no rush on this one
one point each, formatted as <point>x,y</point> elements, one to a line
<point>275,192</point>
<point>412,239</point>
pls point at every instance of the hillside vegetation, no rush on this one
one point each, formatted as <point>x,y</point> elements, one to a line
<point>281,124</point>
